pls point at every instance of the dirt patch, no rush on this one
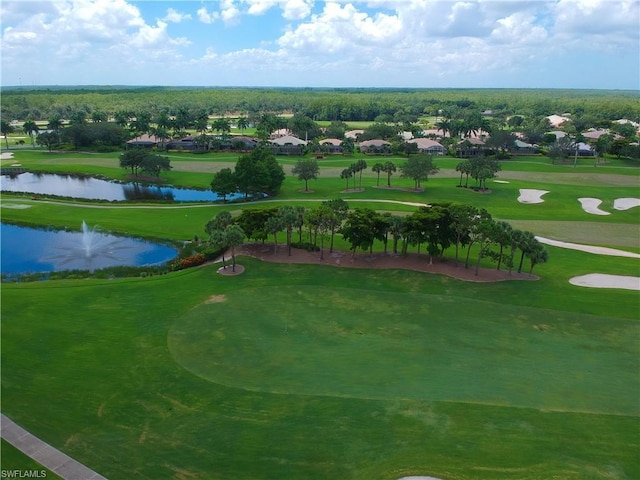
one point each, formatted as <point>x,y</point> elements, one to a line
<point>411,261</point>
<point>217,298</point>
<point>229,271</point>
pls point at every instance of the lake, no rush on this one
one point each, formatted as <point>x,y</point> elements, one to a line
<point>96,189</point>
<point>29,250</point>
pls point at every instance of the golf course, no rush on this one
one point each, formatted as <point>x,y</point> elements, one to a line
<point>314,371</point>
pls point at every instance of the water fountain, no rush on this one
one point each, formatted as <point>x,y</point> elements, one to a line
<point>94,246</point>
<point>27,250</point>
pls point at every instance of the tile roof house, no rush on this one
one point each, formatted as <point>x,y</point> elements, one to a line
<point>288,145</point>
<point>332,145</point>
<point>557,120</point>
<point>144,141</point>
<point>353,134</point>
<point>375,146</point>
<point>426,145</point>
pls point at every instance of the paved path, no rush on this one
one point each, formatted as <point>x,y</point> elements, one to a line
<point>43,453</point>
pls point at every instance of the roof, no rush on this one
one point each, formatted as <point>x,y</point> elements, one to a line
<point>426,144</point>
<point>374,143</point>
<point>145,138</point>
<point>557,120</point>
<point>288,139</point>
<point>353,134</point>
<point>332,141</point>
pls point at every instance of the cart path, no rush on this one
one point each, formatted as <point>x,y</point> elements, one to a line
<point>205,205</point>
<point>59,463</point>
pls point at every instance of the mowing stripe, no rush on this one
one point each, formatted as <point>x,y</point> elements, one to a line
<point>43,453</point>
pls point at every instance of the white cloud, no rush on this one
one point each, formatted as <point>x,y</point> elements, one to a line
<point>174,16</point>
<point>205,17</point>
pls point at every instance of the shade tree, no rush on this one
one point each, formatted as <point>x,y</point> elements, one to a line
<point>419,168</point>
<point>306,169</point>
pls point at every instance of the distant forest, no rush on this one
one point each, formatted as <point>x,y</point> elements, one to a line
<point>319,104</point>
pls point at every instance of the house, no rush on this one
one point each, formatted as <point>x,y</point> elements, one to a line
<point>426,145</point>
<point>375,146</point>
<point>239,142</point>
<point>283,132</point>
<point>331,145</point>
<point>435,133</point>
<point>594,134</point>
<point>524,148</point>
<point>144,141</point>
<point>470,147</point>
<point>353,134</point>
<point>557,120</point>
<point>288,145</point>
<point>186,143</point>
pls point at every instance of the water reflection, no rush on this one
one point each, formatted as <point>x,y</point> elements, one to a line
<point>95,189</point>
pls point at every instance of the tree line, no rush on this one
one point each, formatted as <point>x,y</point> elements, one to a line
<point>434,229</point>
<point>317,103</point>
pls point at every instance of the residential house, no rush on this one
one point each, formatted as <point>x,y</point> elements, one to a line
<point>288,145</point>
<point>426,145</point>
<point>375,146</point>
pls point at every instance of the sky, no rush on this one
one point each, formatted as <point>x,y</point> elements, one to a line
<point>311,43</point>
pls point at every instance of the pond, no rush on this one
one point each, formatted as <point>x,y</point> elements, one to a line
<point>31,250</point>
<point>96,189</point>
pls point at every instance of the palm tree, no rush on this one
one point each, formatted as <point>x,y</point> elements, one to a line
<point>6,129</point>
<point>55,123</point>
<point>389,168</point>
<point>377,168</point>
<point>31,129</point>
<point>243,124</point>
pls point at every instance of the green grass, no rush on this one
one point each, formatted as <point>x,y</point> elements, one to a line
<point>494,395</point>
<point>13,459</point>
<point>317,372</point>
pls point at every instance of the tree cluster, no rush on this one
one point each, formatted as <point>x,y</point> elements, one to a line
<point>256,173</point>
<point>436,228</point>
<point>140,160</point>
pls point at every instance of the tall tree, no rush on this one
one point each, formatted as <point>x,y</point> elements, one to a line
<point>306,169</point>
<point>224,183</point>
<point>30,128</point>
<point>377,168</point>
<point>216,229</point>
<point>389,168</point>
<point>6,128</point>
<point>235,237</point>
<point>288,219</point>
<point>419,168</point>
<point>339,209</point>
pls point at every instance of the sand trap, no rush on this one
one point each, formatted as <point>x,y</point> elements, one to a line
<point>590,205</point>
<point>16,206</point>
<point>602,280</point>
<point>626,203</point>
<point>6,155</point>
<point>588,248</point>
<point>530,195</point>
<point>500,181</point>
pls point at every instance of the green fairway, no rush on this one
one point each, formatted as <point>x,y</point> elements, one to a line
<point>299,339</point>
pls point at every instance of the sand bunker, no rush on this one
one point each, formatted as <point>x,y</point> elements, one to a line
<point>588,248</point>
<point>15,206</point>
<point>590,205</point>
<point>6,155</point>
<point>530,195</point>
<point>626,203</point>
<point>500,181</point>
<point>602,280</point>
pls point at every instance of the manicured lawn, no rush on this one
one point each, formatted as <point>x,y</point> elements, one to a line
<point>315,372</point>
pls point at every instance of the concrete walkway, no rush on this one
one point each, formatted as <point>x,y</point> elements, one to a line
<point>43,453</point>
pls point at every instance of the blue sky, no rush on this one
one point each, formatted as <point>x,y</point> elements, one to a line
<point>311,43</point>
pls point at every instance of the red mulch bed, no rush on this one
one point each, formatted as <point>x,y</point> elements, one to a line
<point>412,261</point>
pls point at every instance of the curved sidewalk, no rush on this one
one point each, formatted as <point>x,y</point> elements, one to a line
<point>59,463</point>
